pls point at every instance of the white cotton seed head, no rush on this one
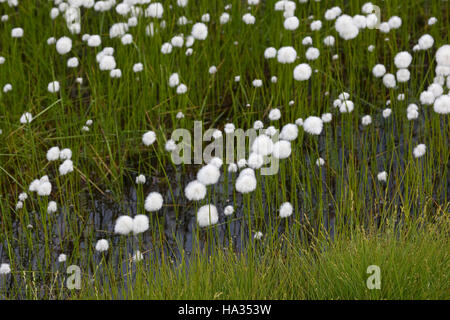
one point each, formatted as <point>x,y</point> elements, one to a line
<point>286,55</point>
<point>153,202</point>
<point>419,150</point>
<point>289,132</point>
<point>346,106</point>
<point>166,48</point>
<point>65,154</point>
<point>5,268</point>
<point>443,56</point>
<point>255,160</point>
<point>291,23</point>
<point>425,42</point>
<point>140,179</point>
<point>442,105</point>
<point>107,63</point>
<point>262,145</point>
<point>102,245</point>
<point>387,112</point>
<point>174,80</point>
<point>281,149</point>
<point>17,33</point>
<point>207,215</point>
<point>124,225</point>
<point>403,75</point>
<point>378,70</point>
<point>170,145</point>
<point>232,167</point>
<point>427,98</point>
<point>395,22</point>
<point>313,125</point>
<point>320,162</point>
<point>246,183</point>
<point>94,41</point>
<point>316,25</point>
<point>149,138</point>
<point>118,30</point>
<point>360,21</point>
<point>23,196</point>
<point>224,18</point>
<point>140,224</point>
<point>248,18</point>
<point>346,27</point>
<point>329,41</point>
<point>242,163</point>
<point>312,53</point>
<point>199,31</point>
<point>412,114</point>
<point>286,210</point>
<point>307,41</point>
<point>402,59</point>
<point>195,191</point>
<point>181,89</point>
<point>228,211</point>
<point>384,27</point>
<point>53,87</point>
<point>382,176</point>
<point>436,89</point>
<point>208,174</point>
<point>274,114</point>
<point>138,67</point>
<point>53,154</point>
<point>366,120</point>
<point>52,207</point>
<point>258,124</point>
<point>66,167</point>
<point>389,80</point>
<point>270,53</point>
<point>63,45</point>
<point>229,128</point>
<point>326,117</point>
<point>44,189</point>
<point>154,10</point>
<point>257,83</point>
<point>72,62</point>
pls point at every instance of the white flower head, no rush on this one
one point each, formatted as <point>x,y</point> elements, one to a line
<point>64,45</point>
<point>286,210</point>
<point>149,138</point>
<point>153,202</point>
<point>195,191</point>
<point>274,114</point>
<point>207,215</point>
<point>102,245</point>
<point>302,72</point>
<point>123,225</point>
<point>228,211</point>
<point>140,224</point>
<point>281,149</point>
<point>199,31</point>
<point>313,125</point>
<point>286,55</point>
<point>208,174</point>
<point>66,167</point>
